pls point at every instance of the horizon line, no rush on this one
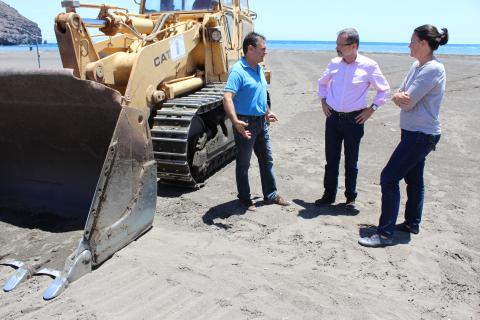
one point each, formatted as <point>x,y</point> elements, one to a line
<point>311,41</point>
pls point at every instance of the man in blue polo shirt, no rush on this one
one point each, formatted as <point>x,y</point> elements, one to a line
<point>245,102</point>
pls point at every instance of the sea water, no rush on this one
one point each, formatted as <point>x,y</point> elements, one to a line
<point>387,47</point>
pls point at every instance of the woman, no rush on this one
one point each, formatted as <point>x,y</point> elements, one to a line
<point>419,99</point>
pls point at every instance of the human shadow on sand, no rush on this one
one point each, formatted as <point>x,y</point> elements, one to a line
<point>399,237</point>
<point>310,210</point>
<point>223,211</point>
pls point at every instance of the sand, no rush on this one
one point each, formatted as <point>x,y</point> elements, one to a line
<point>205,258</point>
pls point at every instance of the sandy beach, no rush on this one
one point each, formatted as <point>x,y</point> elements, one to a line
<point>205,258</point>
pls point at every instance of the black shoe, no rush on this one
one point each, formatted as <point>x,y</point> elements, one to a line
<point>248,204</point>
<point>350,204</point>
<point>407,228</point>
<point>324,200</point>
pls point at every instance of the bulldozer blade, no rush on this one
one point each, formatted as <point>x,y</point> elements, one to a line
<point>72,149</point>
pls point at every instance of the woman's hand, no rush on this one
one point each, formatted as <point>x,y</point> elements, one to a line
<point>401,99</point>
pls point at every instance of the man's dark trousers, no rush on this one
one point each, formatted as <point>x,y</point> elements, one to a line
<point>341,127</point>
<point>260,144</point>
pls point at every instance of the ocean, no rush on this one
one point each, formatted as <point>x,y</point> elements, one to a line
<point>387,47</point>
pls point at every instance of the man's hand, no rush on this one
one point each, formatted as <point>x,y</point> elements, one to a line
<point>364,115</point>
<point>401,99</point>
<point>271,117</point>
<point>326,108</point>
<point>240,127</point>
<point>230,111</point>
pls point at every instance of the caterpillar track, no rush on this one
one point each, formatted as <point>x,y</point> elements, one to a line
<point>192,137</point>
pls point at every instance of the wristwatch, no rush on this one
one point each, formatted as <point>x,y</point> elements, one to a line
<point>374,106</point>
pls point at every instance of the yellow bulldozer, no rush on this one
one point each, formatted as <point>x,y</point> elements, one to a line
<point>139,98</point>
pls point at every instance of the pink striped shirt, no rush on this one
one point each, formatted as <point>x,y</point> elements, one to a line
<point>346,85</point>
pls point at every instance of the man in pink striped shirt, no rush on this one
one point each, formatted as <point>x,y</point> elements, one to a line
<point>343,90</point>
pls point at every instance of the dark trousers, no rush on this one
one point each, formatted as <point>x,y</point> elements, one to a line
<point>260,144</point>
<point>341,127</point>
<point>407,162</point>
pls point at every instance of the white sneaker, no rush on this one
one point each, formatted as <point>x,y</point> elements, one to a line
<point>375,241</point>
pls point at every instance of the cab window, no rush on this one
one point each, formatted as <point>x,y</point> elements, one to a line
<point>178,5</point>
<point>230,22</point>
<point>244,5</point>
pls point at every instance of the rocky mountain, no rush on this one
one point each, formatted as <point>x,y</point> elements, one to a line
<point>15,28</point>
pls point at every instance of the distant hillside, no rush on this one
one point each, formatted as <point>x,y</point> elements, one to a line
<point>15,28</point>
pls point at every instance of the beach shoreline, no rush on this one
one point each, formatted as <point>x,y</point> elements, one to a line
<point>51,59</point>
<point>206,259</point>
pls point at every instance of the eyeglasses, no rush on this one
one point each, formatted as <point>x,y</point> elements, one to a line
<point>344,44</point>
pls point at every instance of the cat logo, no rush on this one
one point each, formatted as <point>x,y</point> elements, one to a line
<point>161,59</point>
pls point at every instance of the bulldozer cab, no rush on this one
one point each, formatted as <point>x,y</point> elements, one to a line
<point>178,5</point>
<point>148,6</point>
<point>232,11</point>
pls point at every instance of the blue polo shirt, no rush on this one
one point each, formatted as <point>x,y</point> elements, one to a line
<point>249,87</point>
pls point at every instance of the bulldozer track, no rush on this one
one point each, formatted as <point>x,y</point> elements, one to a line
<point>192,137</point>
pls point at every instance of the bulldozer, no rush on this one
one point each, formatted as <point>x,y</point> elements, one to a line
<point>140,98</point>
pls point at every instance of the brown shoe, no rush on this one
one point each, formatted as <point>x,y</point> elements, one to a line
<point>278,200</point>
<point>248,204</point>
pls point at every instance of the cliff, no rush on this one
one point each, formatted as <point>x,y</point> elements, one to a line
<point>16,29</point>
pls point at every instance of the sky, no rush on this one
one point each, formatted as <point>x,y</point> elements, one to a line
<point>317,20</point>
